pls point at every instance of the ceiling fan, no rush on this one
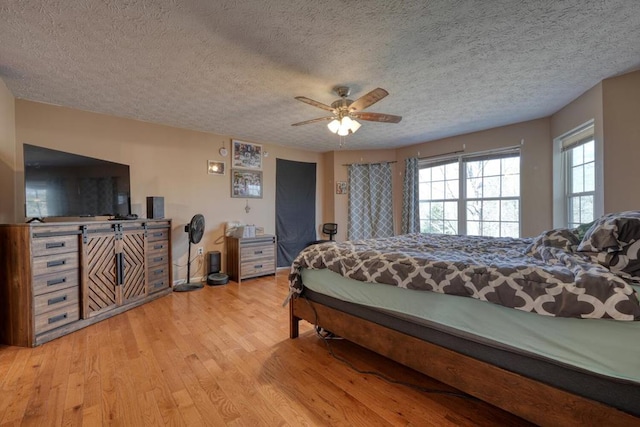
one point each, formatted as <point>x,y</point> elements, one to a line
<point>345,111</point>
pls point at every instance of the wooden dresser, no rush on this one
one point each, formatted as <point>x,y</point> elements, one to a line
<point>56,278</point>
<point>250,256</point>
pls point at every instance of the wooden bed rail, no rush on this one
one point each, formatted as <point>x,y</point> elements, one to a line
<point>530,399</point>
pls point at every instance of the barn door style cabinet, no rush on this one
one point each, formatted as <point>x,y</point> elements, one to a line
<point>114,266</point>
<point>59,277</point>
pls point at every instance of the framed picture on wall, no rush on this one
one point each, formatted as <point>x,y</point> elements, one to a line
<point>341,187</point>
<point>246,155</point>
<point>215,168</point>
<point>246,184</point>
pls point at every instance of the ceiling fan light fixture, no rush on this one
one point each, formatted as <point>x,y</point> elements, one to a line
<point>345,126</point>
<point>354,126</point>
<point>334,125</point>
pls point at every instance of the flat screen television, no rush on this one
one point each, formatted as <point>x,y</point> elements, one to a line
<point>59,184</point>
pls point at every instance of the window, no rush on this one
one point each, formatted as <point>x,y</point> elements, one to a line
<point>576,178</point>
<point>493,196</point>
<point>491,184</point>
<point>580,178</point>
<point>439,191</point>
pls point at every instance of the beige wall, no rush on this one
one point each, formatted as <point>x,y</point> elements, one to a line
<point>164,161</point>
<point>621,117</point>
<point>7,155</point>
<point>535,166</point>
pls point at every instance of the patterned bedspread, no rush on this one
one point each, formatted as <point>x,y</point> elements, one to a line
<point>552,281</point>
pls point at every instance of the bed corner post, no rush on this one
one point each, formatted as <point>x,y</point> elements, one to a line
<point>294,321</point>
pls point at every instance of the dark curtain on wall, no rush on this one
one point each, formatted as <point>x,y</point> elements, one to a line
<point>295,208</point>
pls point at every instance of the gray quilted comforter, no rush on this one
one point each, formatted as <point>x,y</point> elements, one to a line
<point>536,276</point>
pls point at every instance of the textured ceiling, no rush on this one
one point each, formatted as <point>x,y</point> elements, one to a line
<point>234,67</point>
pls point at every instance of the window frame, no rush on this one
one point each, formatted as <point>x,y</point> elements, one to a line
<point>462,199</point>
<point>562,173</point>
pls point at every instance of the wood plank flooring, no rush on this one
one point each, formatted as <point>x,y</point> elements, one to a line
<point>218,356</point>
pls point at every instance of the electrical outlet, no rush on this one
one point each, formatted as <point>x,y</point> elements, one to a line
<point>200,251</point>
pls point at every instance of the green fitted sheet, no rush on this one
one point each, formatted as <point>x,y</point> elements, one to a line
<point>606,347</point>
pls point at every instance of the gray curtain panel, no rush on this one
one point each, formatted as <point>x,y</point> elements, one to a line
<point>370,201</point>
<point>410,197</point>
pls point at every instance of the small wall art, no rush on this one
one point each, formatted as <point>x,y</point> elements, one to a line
<point>246,184</point>
<point>246,155</point>
<point>341,187</point>
<point>215,168</point>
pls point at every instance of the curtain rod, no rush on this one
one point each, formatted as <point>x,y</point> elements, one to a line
<point>494,150</point>
<point>441,155</point>
<point>375,163</point>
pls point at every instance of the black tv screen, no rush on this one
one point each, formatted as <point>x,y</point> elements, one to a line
<point>59,184</point>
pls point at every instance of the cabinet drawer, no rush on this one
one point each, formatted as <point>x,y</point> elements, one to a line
<point>158,271</point>
<point>54,300</point>
<point>54,245</point>
<point>157,258</point>
<point>155,234</point>
<point>254,252</point>
<point>158,246</point>
<point>56,318</point>
<point>257,267</point>
<point>55,263</point>
<point>55,281</point>
<point>159,283</point>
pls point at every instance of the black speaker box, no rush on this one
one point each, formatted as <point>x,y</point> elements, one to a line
<point>214,262</point>
<point>155,207</point>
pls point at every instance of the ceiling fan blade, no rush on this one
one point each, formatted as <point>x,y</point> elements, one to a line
<point>377,117</point>
<point>314,103</point>
<point>368,99</point>
<point>306,122</point>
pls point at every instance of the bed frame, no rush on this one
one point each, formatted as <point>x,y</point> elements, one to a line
<point>537,402</point>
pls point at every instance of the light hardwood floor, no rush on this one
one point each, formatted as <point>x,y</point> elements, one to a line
<point>217,356</point>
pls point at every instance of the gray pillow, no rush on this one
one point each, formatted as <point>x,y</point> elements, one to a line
<point>612,232</point>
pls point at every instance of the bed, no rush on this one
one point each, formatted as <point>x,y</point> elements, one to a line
<point>546,328</point>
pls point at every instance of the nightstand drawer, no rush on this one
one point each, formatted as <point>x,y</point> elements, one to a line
<point>56,318</point>
<point>54,245</point>
<point>55,281</point>
<point>255,252</point>
<point>55,263</point>
<point>52,301</point>
<point>258,267</point>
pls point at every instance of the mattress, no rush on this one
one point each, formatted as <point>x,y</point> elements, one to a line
<point>589,357</point>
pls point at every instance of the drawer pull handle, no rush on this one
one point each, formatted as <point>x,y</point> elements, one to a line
<point>58,318</point>
<point>257,252</point>
<point>158,246</point>
<point>158,234</point>
<point>55,245</point>
<point>56,281</point>
<point>158,271</point>
<point>160,258</point>
<point>57,300</point>
<point>56,263</point>
<point>257,266</point>
<point>158,285</point>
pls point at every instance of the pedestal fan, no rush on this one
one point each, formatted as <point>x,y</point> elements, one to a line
<point>195,231</point>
